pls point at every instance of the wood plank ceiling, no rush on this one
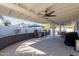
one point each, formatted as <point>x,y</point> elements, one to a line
<point>64,12</point>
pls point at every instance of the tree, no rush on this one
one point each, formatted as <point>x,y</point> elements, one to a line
<point>3,21</point>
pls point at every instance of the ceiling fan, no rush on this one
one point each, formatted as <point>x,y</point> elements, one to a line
<point>48,14</point>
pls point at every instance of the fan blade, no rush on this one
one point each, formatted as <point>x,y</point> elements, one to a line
<point>51,12</point>
<point>51,16</point>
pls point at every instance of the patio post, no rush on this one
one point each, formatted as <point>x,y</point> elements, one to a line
<point>53,30</point>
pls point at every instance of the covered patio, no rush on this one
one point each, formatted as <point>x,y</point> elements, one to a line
<point>44,46</point>
<point>62,17</point>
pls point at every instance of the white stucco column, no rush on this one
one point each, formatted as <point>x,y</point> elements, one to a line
<point>53,30</point>
<point>60,28</point>
<point>77,25</point>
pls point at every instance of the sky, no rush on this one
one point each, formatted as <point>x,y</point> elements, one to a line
<point>15,21</point>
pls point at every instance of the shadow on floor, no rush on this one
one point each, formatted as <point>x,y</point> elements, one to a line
<point>53,47</point>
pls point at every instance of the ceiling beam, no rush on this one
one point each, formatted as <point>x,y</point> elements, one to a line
<point>24,11</point>
<point>21,10</point>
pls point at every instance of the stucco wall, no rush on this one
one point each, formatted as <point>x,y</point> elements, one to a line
<point>10,30</point>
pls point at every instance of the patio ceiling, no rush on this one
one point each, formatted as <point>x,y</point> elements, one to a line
<point>64,12</point>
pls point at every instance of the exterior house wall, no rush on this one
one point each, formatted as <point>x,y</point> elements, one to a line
<point>10,30</point>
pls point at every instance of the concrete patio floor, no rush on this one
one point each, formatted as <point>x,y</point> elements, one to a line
<point>45,46</point>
